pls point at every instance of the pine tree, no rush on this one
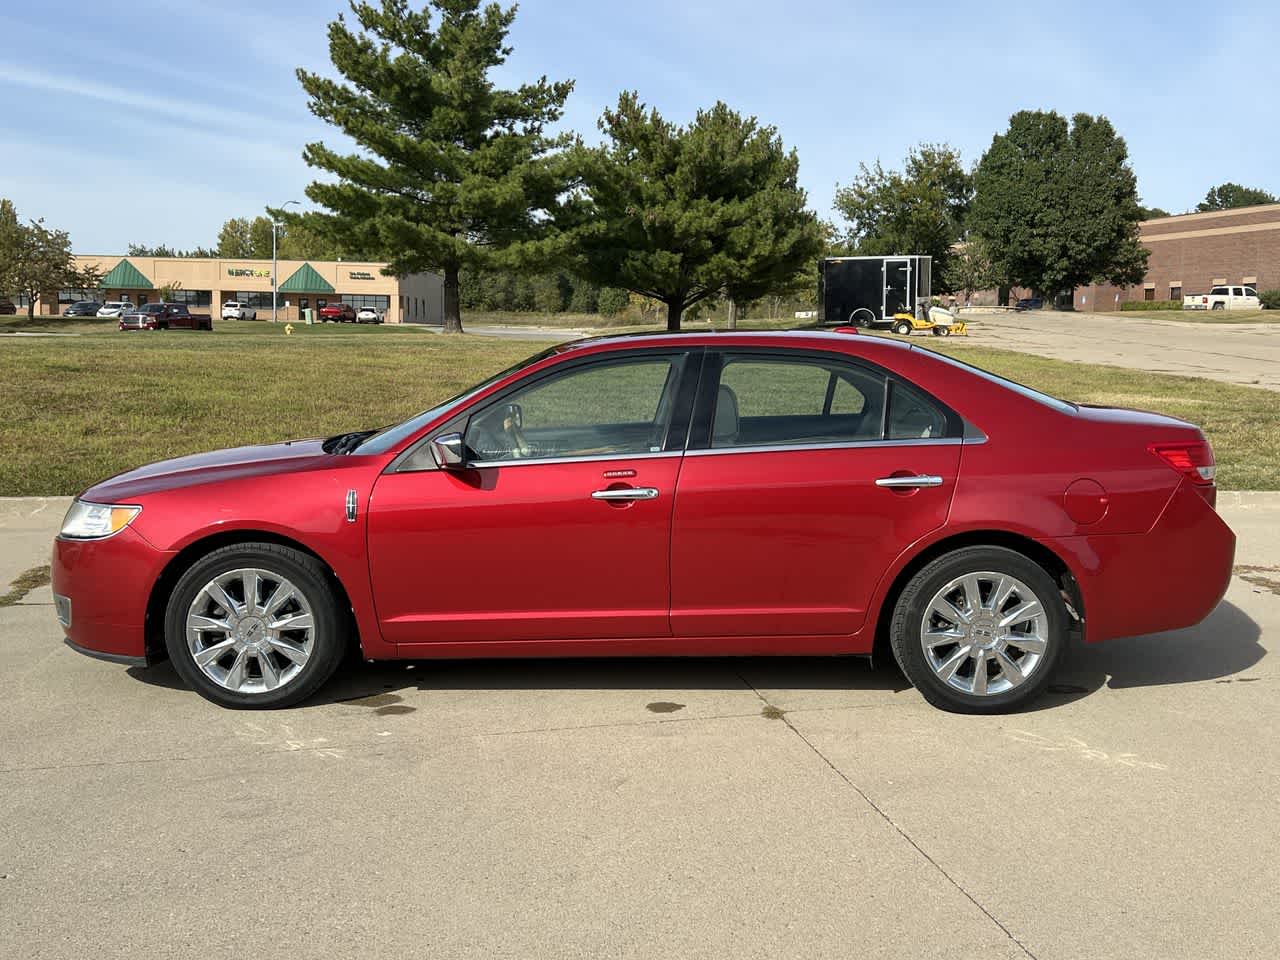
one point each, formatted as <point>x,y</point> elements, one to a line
<point>680,214</point>
<point>451,172</point>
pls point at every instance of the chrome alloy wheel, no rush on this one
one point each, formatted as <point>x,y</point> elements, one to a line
<point>984,633</point>
<point>250,631</point>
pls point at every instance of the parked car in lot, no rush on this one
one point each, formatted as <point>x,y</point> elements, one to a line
<point>7,308</point>
<point>115,308</point>
<point>164,316</point>
<point>368,315</point>
<point>1223,298</point>
<point>1029,303</point>
<point>698,494</point>
<point>338,313</point>
<point>83,308</point>
<point>235,310</point>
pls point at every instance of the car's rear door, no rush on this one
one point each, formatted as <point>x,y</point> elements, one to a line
<point>558,527</point>
<point>806,475</point>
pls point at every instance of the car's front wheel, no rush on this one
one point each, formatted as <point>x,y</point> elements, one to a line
<point>255,625</point>
<point>979,630</point>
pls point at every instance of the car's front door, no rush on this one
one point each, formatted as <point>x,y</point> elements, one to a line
<point>557,525</point>
<point>805,477</point>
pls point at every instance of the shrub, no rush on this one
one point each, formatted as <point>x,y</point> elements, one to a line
<point>612,301</point>
<point>1270,299</point>
<point>1151,305</point>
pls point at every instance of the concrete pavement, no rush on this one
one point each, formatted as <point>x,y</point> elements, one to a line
<point>1246,353</point>
<point>680,808</point>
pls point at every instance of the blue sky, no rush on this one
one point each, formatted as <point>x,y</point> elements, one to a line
<point>152,122</point>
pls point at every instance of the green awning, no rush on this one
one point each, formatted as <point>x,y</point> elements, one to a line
<point>306,280</point>
<point>125,276</point>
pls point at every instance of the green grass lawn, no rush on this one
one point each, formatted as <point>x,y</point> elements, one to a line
<point>81,409</point>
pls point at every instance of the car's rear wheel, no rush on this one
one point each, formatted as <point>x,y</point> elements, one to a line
<point>979,630</point>
<point>255,625</point>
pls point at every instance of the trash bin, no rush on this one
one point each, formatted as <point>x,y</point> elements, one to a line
<point>306,315</point>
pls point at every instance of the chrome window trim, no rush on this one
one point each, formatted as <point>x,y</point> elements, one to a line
<point>593,458</point>
<point>835,445</point>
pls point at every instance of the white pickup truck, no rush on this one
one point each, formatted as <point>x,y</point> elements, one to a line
<point>1223,298</point>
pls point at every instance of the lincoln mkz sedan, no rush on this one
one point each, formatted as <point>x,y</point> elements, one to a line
<point>697,494</point>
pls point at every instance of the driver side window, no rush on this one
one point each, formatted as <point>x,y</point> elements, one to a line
<point>603,409</point>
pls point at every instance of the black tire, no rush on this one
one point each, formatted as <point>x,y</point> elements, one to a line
<point>862,317</point>
<point>331,627</point>
<point>902,328</point>
<point>908,615</point>
<point>941,331</point>
<point>1219,306</point>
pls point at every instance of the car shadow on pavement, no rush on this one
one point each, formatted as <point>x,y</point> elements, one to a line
<point>1223,645</point>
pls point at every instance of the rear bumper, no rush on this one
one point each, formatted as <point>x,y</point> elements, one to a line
<point>1168,578</point>
<point>108,585</point>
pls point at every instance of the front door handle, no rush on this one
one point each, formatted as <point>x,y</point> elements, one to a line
<point>626,493</point>
<point>919,480</point>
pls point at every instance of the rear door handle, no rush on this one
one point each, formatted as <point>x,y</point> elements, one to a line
<point>919,480</point>
<point>626,493</point>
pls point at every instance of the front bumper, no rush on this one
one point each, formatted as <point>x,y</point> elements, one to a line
<point>106,586</point>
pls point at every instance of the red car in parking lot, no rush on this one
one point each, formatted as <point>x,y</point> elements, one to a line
<point>750,493</point>
<point>338,313</point>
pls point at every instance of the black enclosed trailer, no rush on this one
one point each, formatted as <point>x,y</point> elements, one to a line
<point>868,291</point>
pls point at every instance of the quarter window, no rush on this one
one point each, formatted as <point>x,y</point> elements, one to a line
<point>912,416</point>
<point>604,409</point>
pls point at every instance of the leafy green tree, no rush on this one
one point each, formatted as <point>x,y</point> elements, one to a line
<point>89,279</point>
<point>11,237</point>
<point>451,171</point>
<point>969,269</point>
<point>1229,196</point>
<point>1056,204</point>
<point>233,239</point>
<point>677,214</point>
<point>1152,213</point>
<point>612,301</point>
<point>919,210</point>
<point>260,238</point>
<point>44,263</point>
<point>164,250</point>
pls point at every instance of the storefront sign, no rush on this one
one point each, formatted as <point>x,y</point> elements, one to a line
<point>360,275</point>
<point>247,272</point>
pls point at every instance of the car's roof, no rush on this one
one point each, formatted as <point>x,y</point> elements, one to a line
<point>791,339</point>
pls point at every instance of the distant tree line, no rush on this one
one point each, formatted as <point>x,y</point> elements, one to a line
<point>456,175</point>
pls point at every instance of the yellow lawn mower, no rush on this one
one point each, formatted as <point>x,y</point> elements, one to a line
<point>940,321</point>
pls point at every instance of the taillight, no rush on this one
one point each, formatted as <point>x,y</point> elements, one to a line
<point>1193,460</point>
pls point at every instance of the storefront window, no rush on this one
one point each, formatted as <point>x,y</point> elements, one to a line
<point>361,300</point>
<point>259,299</point>
<point>192,298</point>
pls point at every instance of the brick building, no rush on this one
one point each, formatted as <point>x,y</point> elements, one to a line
<point>1193,252</point>
<point>1189,254</point>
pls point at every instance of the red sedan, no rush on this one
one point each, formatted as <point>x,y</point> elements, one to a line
<point>803,493</point>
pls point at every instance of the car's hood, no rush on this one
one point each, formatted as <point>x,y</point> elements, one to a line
<point>218,465</point>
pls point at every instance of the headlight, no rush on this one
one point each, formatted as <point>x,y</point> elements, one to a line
<point>96,521</point>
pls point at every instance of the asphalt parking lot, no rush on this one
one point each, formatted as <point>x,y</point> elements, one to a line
<point>1244,353</point>
<point>701,808</point>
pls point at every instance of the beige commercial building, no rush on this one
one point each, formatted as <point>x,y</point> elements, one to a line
<point>204,284</point>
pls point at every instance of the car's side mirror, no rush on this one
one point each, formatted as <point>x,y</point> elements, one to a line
<point>448,451</point>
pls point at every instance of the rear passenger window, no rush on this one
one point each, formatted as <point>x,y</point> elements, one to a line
<point>763,401</point>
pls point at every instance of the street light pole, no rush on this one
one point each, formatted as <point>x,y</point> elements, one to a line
<point>275,283</point>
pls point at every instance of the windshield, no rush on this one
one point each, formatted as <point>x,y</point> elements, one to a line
<point>388,437</point>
